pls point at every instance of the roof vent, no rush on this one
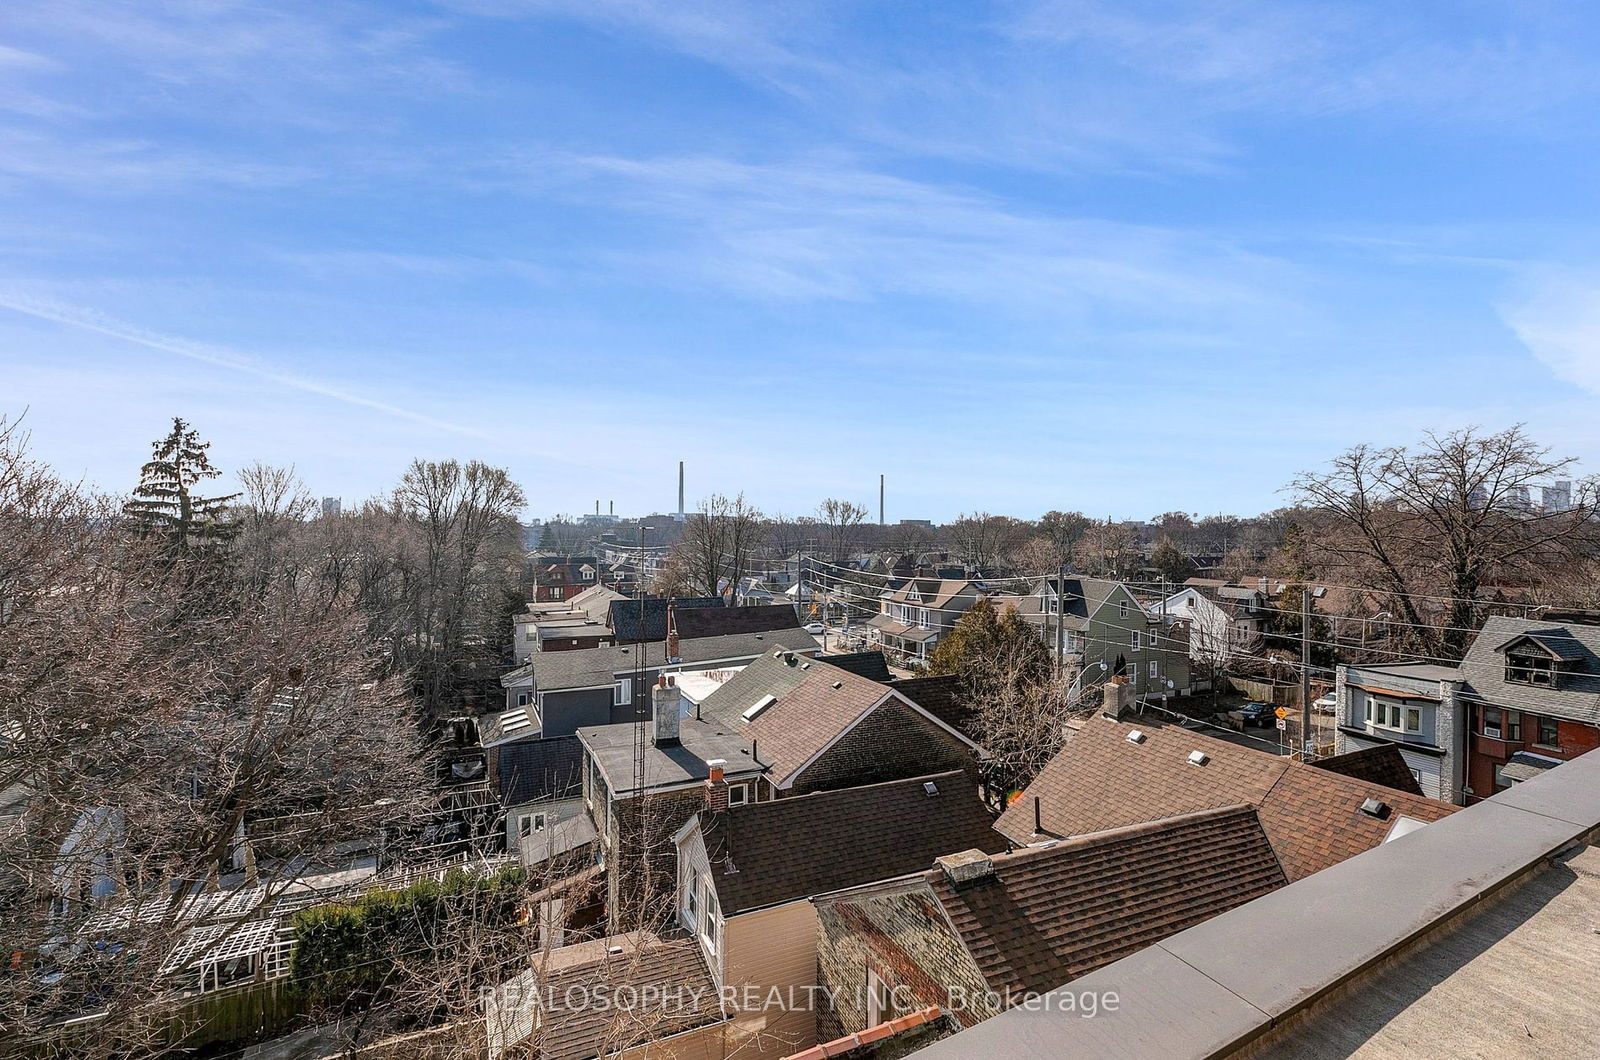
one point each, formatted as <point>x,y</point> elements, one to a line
<point>930,787</point>
<point>624,650</point>
<point>805,666</point>
<point>1137,736</point>
<point>1198,758</point>
<point>758,706</point>
<point>1375,808</point>
<point>838,684</point>
<point>614,950</point>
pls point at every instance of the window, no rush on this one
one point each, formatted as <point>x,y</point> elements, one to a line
<point>1369,710</point>
<point>1122,609</point>
<point>924,618</point>
<point>1413,719</point>
<point>623,694</point>
<point>879,1008</point>
<point>522,699</point>
<point>1491,722</point>
<point>738,794</point>
<point>1526,668</point>
<point>1135,640</point>
<point>529,823</point>
<point>708,916</point>
<point>1513,725</point>
<point>1502,782</point>
<point>1384,715</point>
<point>1155,668</point>
<point>1549,732</point>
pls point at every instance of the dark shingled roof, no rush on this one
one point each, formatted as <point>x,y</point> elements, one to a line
<point>718,621</point>
<point>942,697</point>
<point>539,770</point>
<point>1050,914</point>
<point>1576,645</point>
<point>672,968</point>
<point>1383,764</point>
<point>624,618</point>
<point>1101,780</point>
<point>789,849</point>
<point>869,664</point>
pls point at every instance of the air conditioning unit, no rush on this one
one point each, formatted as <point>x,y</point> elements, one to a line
<point>1492,731</point>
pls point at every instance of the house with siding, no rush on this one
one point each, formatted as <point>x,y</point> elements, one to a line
<point>563,691</point>
<point>560,625</point>
<point>978,933</point>
<point>913,617</point>
<point>1225,620</point>
<point>745,874</point>
<point>1417,708</point>
<point>1104,631</point>
<point>1112,774</point>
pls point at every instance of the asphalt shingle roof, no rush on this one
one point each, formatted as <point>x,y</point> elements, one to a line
<point>536,770</point>
<point>1381,764</point>
<point>1101,780</point>
<point>1048,915</point>
<point>768,853</point>
<point>586,667</point>
<point>719,621</point>
<point>624,618</point>
<point>1577,695</point>
<point>869,664</point>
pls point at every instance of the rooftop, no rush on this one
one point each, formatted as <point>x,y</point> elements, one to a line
<point>611,749</point>
<point>540,770</point>
<point>594,667</point>
<point>1483,944</point>
<point>768,853</point>
<point>625,615</point>
<point>1577,695</point>
<point>1101,779</point>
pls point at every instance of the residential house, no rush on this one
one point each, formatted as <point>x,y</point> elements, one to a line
<point>978,932</point>
<point>817,726</point>
<point>1471,937</point>
<point>1418,708</point>
<point>560,578</point>
<point>1532,699</point>
<point>693,622</point>
<point>576,623</point>
<point>1103,631</point>
<point>540,784</point>
<point>745,874</point>
<point>1225,620</point>
<point>912,618</point>
<point>1111,774</point>
<point>640,621</point>
<point>565,690</point>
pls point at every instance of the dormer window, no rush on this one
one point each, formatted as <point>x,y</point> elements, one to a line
<point>1527,668</point>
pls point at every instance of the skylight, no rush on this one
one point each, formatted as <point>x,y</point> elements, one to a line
<point>760,705</point>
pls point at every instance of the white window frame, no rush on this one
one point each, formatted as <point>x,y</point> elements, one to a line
<point>709,912</point>
<point>880,998</point>
<point>529,823</point>
<point>622,693</point>
<point>1134,640</point>
<point>1155,669</point>
<point>1122,609</point>
<point>740,790</point>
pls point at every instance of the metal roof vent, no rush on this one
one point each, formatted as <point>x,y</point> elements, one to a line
<point>838,684</point>
<point>930,788</point>
<point>1198,758</point>
<point>1137,736</point>
<point>1375,808</point>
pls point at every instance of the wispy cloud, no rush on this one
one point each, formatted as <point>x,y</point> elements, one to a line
<point>218,356</point>
<point>1555,313</point>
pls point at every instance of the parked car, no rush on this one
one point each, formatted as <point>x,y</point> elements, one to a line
<point>814,627</point>
<point>1258,713</point>
<point>1328,704</point>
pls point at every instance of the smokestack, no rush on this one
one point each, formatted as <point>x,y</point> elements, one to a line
<point>597,506</point>
<point>680,491</point>
<point>880,500</point>
<point>664,706</point>
<point>612,507</point>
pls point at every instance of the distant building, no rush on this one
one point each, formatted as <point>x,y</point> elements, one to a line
<point>1557,496</point>
<point>330,507</point>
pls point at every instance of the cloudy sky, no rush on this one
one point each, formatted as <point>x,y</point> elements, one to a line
<point>1117,256</point>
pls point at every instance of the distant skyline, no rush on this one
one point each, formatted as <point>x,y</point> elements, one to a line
<point>1045,254</point>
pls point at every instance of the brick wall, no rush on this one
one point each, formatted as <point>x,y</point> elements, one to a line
<point>893,743</point>
<point>903,936</point>
<point>663,815</point>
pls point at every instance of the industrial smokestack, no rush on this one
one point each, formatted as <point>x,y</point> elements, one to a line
<point>611,506</point>
<point>680,491</point>
<point>880,500</point>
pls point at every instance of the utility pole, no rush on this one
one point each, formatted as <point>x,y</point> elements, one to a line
<point>1305,675</point>
<point>1061,619</point>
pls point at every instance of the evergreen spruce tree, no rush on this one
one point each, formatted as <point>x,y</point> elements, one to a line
<point>164,503</point>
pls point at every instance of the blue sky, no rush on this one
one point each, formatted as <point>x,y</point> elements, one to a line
<point>1115,256</point>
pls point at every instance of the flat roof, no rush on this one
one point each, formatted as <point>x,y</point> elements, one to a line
<point>1217,988</point>
<point>611,748</point>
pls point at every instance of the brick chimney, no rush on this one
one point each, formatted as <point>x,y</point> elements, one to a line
<point>717,786</point>
<point>966,868</point>
<point>672,631</point>
<point>664,706</point>
<point>1118,697</point>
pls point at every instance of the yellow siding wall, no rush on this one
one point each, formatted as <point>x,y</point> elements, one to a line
<point>766,949</point>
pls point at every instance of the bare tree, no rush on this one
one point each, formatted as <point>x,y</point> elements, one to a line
<point>718,541</point>
<point>1107,550</point>
<point>1448,518</point>
<point>840,522</point>
<point>985,541</point>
